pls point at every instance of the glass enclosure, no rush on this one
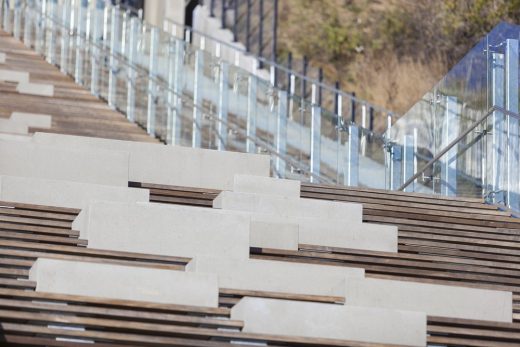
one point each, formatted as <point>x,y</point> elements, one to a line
<point>485,163</point>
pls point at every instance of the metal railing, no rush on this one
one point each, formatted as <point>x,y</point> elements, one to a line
<point>456,142</point>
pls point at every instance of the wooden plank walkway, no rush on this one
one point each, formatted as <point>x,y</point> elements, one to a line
<point>73,109</point>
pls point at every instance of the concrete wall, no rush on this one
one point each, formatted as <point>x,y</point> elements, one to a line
<point>165,230</point>
<point>65,193</point>
<point>155,11</point>
<point>124,282</point>
<point>305,319</point>
<point>63,163</point>
<point>276,276</point>
<point>435,300</point>
<point>171,165</point>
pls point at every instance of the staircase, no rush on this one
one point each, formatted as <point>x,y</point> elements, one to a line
<point>114,242</point>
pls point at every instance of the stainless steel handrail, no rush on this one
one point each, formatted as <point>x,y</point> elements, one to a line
<point>456,141</point>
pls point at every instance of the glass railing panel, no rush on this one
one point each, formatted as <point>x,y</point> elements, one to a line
<point>235,86</point>
<point>486,77</point>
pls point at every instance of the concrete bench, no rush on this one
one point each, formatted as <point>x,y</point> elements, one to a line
<point>276,276</point>
<point>171,165</point>
<point>434,299</point>
<point>50,162</point>
<point>323,223</point>
<point>327,321</point>
<point>124,282</point>
<point>65,193</point>
<point>13,127</point>
<point>274,235</point>
<point>266,185</point>
<point>34,120</point>
<point>164,229</point>
<point>287,207</point>
<point>14,76</point>
<point>39,89</point>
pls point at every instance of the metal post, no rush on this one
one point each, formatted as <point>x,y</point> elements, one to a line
<point>396,169</point>
<point>315,135</point>
<point>248,26</point>
<point>498,142</point>
<point>320,89</point>
<point>251,113</point>
<point>197,99</point>
<point>7,17</point>
<point>17,19</point>
<point>51,43</point>
<point>513,150</point>
<point>353,107</point>
<point>363,127</point>
<point>450,131</point>
<point>304,79</point>
<point>131,81</point>
<point>27,31</point>
<point>96,51</point>
<point>281,133</point>
<point>409,161</point>
<point>223,100</point>
<point>40,28</point>
<point>292,86</point>
<point>65,38</point>
<point>212,8</point>
<point>223,14</point>
<point>275,31</point>
<point>235,20</point>
<point>352,175</point>
<point>338,114</point>
<point>152,84</point>
<point>114,49</point>
<point>371,115</point>
<point>261,30</point>
<point>175,68</point>
<point>80,41</point>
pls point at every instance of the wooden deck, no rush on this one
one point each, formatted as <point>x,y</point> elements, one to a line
<point>73,109</point>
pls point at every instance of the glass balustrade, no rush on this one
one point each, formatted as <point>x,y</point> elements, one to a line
<point>191,90</point>
<point>486,162</point>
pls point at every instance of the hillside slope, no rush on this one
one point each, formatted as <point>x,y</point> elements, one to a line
<point>389,52</point>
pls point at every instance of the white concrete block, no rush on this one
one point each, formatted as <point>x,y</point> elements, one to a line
<point>434,299</point>
<point>266,185</point>
<point>166,230</point>
<point>32,119</point>
<point>274,235</point>
<point>315,320</point>
<point>124,282</point>
<point>49,162</point>
<point>39,89</point>
<point>288,207</point>
<point>3,58</point>
<point>338,233</point>
<point>346,234</point>
<point>276,276</point>
<point>13,127</point>
<point>15,137</point>
<point>65,193</point>
<point>172,165</point>
<point>14,76</point>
